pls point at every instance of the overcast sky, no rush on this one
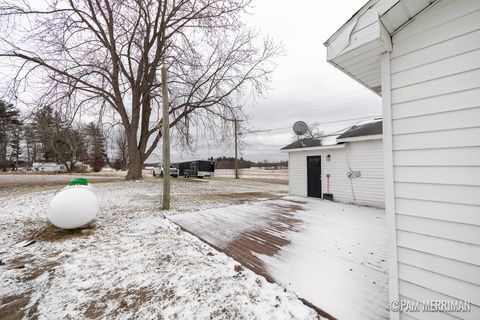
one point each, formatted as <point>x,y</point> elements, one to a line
<point>305,87</point>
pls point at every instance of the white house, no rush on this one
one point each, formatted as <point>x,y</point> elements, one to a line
<point>423,58</point>
<point>349,170</point>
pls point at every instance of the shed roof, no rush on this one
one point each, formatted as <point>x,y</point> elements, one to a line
<point>356,48</point>
<point>365,129</point>
<point>304,143</point>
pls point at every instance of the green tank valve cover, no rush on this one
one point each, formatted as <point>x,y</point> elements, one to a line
<point>78,181</point>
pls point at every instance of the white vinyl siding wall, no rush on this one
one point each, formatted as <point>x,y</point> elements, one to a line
<point>367,157</point>
<point>336,167</point>
<point>435,80</point>
<point>363,156</point>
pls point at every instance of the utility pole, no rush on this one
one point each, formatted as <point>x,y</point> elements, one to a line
<point>235,121</point>
<point>166,141</point>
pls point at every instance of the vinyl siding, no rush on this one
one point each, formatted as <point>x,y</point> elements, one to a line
<point>363,156</point>
<point>435,80</point>
<point>367,157</point>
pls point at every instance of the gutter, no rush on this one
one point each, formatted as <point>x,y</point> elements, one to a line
<point>334,146</point>
<point>362,138</point>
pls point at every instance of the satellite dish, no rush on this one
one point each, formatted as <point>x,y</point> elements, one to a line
<point>300,128</point>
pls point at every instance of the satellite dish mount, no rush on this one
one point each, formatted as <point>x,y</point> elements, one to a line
<point>300,128</point>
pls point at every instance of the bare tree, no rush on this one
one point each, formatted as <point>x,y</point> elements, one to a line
<point>313,131</point>
<point>60,140</point>
<point>33,145</point>
<point>9,131</point>
<point>105,54</point>
<point>95,141</point>
<point>121,152</point>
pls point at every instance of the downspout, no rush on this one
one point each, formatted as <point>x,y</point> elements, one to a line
<point>390,212</point>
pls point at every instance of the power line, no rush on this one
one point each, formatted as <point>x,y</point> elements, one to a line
<point>301,107</point>
<point>319,123</point>
<point>332,98</point>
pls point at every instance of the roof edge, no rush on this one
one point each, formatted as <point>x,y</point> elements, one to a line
<point>357,14</point>
<point>333,146</point>
<point>362,138</point>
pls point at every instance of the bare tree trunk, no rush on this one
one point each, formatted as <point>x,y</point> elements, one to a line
<point>69,168</point>
<point>135,164</point>
<point>28,154</point>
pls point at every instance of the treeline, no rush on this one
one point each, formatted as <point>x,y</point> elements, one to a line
<point>47,135</point>
<point>229,163</point>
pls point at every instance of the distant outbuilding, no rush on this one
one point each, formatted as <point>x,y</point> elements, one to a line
<point>348,168</point>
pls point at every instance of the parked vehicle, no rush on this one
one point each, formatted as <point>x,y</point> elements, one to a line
<point>158,171</point>
<point>197,168</point>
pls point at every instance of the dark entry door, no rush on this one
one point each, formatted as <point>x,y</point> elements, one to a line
<point>314,176</point>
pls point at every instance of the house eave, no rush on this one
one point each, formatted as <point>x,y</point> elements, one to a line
<point>358,51</point>
<point>375,89</point>
<point>381,6</point>
<point>334,146</point>
<point>356,48</point>
<point>362,138</point>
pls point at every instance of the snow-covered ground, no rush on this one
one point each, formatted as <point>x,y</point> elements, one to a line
<point>342,249</point>
<point>332,254</point>
<point>15,183</point>
<point>131,262</point>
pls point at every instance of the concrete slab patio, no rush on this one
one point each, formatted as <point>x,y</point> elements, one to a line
<point>332,255</point>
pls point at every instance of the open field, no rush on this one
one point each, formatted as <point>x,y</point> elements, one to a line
<point>280,175</point>
<point>131,262</point>
<point>14,184</point>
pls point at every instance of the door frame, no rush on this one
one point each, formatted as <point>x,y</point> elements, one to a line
<point>307,175</point>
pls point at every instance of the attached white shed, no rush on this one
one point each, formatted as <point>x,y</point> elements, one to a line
<point>351,170</point>
<point>423,57</point>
